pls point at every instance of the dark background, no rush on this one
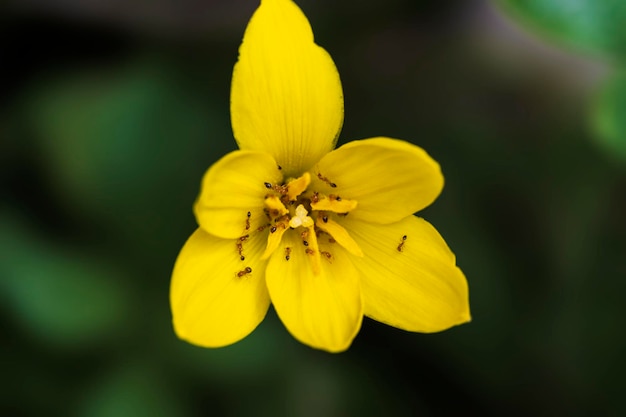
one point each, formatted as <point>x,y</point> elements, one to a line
<point>111,112</point>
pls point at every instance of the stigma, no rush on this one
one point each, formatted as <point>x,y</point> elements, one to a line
<point>301,218</point>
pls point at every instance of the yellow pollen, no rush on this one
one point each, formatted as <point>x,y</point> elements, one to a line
<point>301,218</point>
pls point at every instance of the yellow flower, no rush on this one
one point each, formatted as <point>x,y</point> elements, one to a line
<point>325,235</point>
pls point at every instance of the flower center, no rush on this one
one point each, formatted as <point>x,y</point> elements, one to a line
<point>296,206</point>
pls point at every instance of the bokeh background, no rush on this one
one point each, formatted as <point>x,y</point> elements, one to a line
<point>112,110</point>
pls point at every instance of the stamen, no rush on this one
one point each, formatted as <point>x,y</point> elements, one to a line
<point>273,239</point>
<point>298,186</point>
<point>275,206</point>
<point>341,236</point>
<point>335,204</point>
<point>313,250</point>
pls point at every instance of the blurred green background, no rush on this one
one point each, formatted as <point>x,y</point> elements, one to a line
<point>111,112</point>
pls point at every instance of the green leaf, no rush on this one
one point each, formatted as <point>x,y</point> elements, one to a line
<point>609,117</point>
<point>133,391</point>
<point>123,145</point>
<point>592,25</point>
<point>269,347</point>
<point>60,295</point>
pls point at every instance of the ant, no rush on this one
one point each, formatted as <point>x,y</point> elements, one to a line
<point>401,245</point>
<point>243,272</point>
<point>326,180</point>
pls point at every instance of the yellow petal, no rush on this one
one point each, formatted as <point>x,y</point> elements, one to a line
<point>212,305</point>
<point>286,96</point>
<point>390,179</point>
<point>231,188</point>
<point>323,311</point>
<point>411,283</point>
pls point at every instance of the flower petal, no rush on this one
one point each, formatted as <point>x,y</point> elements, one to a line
<point>286,96</point>
<point>390,179</point>
<point>231,188</point>
<point>324,310</point>
<point>411,283</point>
<point>211,305</point>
